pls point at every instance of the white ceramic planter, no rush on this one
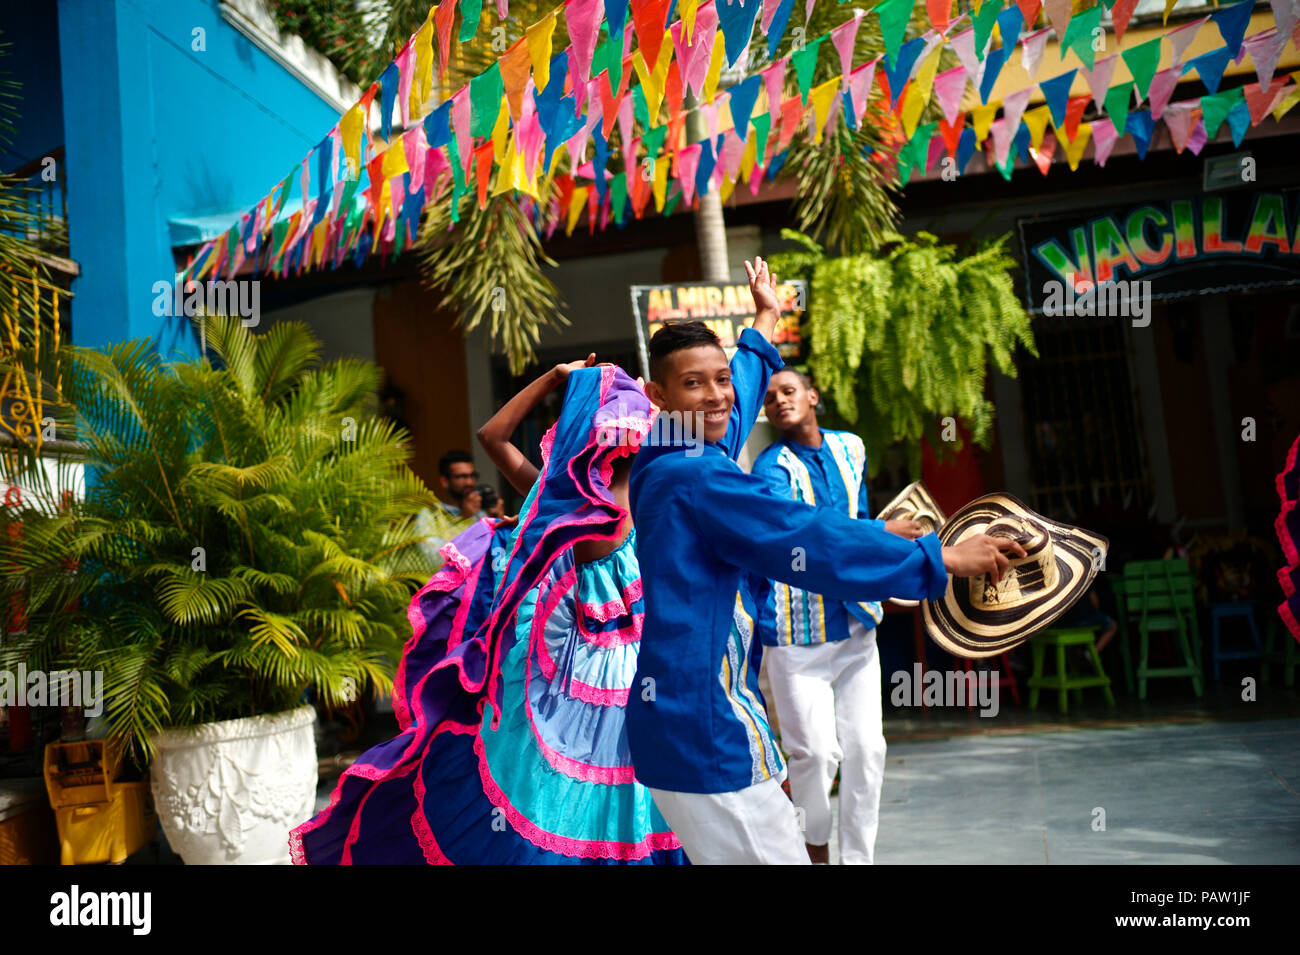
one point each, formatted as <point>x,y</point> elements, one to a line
<point>228,793</point>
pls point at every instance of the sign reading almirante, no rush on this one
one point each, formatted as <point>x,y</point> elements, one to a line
<point>1191,246</point>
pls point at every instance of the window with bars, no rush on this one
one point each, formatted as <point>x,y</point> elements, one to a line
<point>1082,430</point>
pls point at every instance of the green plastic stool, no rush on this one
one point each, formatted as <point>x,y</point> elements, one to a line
<point>1063,681</point>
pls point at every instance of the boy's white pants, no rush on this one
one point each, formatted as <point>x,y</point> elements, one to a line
<point>827,698</point>
<point>752,826</point>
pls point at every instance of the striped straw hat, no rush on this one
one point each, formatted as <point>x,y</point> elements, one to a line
<point>913,504</point>
<point>976,618</point>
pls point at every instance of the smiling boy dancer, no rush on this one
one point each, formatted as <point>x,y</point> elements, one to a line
<point>696,729</point>
<point>821,653</point>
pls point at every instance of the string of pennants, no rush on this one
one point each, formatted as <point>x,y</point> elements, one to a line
<point>501,131</point>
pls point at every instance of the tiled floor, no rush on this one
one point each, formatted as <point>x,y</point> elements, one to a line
<point>1199,793</point>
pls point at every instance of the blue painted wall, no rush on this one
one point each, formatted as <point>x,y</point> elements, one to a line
<point>156,129</point>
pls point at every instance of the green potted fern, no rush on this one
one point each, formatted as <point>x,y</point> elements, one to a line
<point>245,547</point>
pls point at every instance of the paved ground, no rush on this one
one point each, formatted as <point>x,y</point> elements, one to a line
<point>1173,793</point>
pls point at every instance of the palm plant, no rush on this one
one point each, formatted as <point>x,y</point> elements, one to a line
<point>246,540</point>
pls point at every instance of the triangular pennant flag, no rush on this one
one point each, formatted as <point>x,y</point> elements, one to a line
<point>736,20</point>
<point>1036,122</point>
<point>1239,121</point>
<point>1042,155</point>
<point>1264,49</point>
<point>444,16</point>
<point>821,97</point>
<point>1261,100</point>
<point>1118,100</point>
<point>1120,14</point>
<point>485,91</point>
<point>1079,34</point>
<point>715,65</point>
<point>992,67</point>
<point>1056,91</point>
<point>1029,11</point>
<point>1009,22</point>
<point>388,82</point>
<point>939,12</point>
<point>405,62</point>
<point>423,76</point>
<point>1074,147</point>
<point>1074,113</point>
<point>948,88</point>
<point>538,38</point>
<point>773,80</point>
<point>1031,50</point>
<point>776,27</point>
<point>762,125</point>
<point>743,96</point>
<point>804,62</point>
<point>515,65</point>
<point>1287,99</point>
<point>582,20</point>
<point>471,11</point>
<point>615,16</point>
<point>894,15</point>
<point>951,133</point>
<point>1232,22</point>
<point>965,149</point>
<point>1169,6</point>
<point>1013,106</point>
<point>1178,117</point>
<point>860,87</point>
<point>1099,78</point>
<point>698,54</point>
<point>1209,66</point>
<point>686,163</point>
<point>1196,142</point>
<point>1142,61</point>
<point>1179,37</point>
<point>1140,126</point>
<point>843,37</point>
<point>1215,109</point>
<point>1002,136</point>
<point>768,15</point>
<point>1162,87</point>
<point>983,22</point>
<point>461,124</point>
<point>650,19</point>
<point>982,118</point>
<point>901,71</point>
<point>918,93</point>
<point>1058,14</point>
<point>963,44</point>
<point>1104,139</point>
<point>1286,14</point>
<point>688,9</point>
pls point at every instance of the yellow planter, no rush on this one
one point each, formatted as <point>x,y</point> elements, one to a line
<point>99,817</point>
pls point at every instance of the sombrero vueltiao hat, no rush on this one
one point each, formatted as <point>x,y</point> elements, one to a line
<point>913,504</point>
<point>975,618</point>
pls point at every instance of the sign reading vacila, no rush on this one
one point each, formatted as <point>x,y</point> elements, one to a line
<point>1199,245</point>
<point>726,307</point>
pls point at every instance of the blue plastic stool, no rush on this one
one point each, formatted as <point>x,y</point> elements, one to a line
<point>1222,611</point>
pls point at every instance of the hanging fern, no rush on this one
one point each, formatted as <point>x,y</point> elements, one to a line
<point>901,338</point>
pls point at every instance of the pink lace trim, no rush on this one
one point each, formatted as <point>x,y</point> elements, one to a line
<point>598,695</point>
<point>552,842</point>
<point>618,607</point>
<point>612,639</point>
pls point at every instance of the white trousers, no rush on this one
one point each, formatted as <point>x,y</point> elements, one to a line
<point>752,826</point>
<point>827,699</point>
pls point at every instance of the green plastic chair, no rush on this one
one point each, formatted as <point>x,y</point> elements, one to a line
<point>1159,595</point>
<point>1063,681</point>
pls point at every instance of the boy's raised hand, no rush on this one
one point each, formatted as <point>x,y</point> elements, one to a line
<point>762,285</point>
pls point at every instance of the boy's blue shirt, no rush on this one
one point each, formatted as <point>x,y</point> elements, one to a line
<point>805,617</point>
<point>695,719</point>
